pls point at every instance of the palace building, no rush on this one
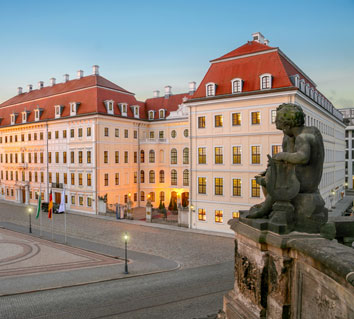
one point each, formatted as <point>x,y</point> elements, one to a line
<point>93,138</point>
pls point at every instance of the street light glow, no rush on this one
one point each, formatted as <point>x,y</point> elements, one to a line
<point>30,210</point>
<point>125,236</point>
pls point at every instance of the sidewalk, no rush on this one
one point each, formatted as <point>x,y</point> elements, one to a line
<point>29,263</point>
<point>341,206</point>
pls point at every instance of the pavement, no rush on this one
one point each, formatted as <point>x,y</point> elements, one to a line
<point>340,207</point>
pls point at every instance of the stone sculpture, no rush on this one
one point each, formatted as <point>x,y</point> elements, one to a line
<point>292,199</point>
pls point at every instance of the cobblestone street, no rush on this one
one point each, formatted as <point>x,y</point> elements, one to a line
<point>186,247</point>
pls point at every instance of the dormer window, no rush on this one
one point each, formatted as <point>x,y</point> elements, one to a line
<point>307,89</point>
<point>302,85</point>
<point>161,113</point>
<point>236,85</point>
<point>109,106</point>
<point>74,108</point>
<point>266,81</point>
<point>24,116</point>
<point>136,111</point>
<point>37,114</point>
<point>58,110</point>
<point>123,109</point>
<point>311,93</point>
<point>151,115</point>
<point>13,117</point>
<point>210,89</point>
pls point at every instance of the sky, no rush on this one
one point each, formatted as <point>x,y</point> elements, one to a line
<point>145,45</point>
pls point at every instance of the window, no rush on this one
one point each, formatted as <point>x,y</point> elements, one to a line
<point>152,156</point>
<point>72,200</point>
<point>255,191</point>
<point>162,196</point>
<point>135,177</point>
<point>219,158</point>
<point>142,176</point>
<point>80,157</point>
<point>236,155</point>
<point>151,115</point>
<point>106,179</point>
<point>126,159</point>
<point>135,157</point>
<point>105,157</point>
<point>236,119</point>
<point>201,214</point>
<point>73,108</point>
<point>236,187</point>
<point>173,177</point>
<point>72,179</point>
<point>88,132</point>
<point>142,196</point>
<point>81,200</point>
<point>256,154</point>
<point>49,136</point>
<point>116,132</point>
<point>186,133</point>
<point>49,157</point>
<point>266,81</point>
<point>218,216</point>
<point>34,137</point>
<point>80,132</point>
<point>201,122</point>
<point>235,214</point>
<point>116,157</point>
<point>56,157</point>
<point>135,197</point>
<point>56,135</point>
<point>72,157</point>
<point>273,115</point>
<point>72,133</point>
<point>255,118</point>
<point>152,176</point>
<point>126,133</point>
<point>64,134</point>
<point>173,134</point>
<point>161,113</point>
<point>218,120</point>
<point>236,85</point>
<point>173,156</point>
<point>89,201</point>
<point>117,179</point>
<point>89,179</point>
<point>219,185</point>
<point>142,156</point>
<point>162,176</point>
<point>186,177</point>
<point>202,185</point>
<point>88,154</point>
<point>136,111</point>
<point>42,177</point>
<point>106,131</point>
<point>151,134</point>
<point>210,89</point>
<point>201,155</point>
<point>276,149</point>
<point>123,109</point>
<point>65,178</point>
<point>135,134</point>
<point>80,179</point>
<point>186,155</point>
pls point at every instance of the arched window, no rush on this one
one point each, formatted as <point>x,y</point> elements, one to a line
<point>162,176</point>
<point>162,196</point>
<point>236,85</point>
<point>186,155</point>
<point>142,176</point>
<point>266,81</point>
<point>185,177</point>
<point>142,196</point>
<point>173,156</point>
<point>161,113</point>
<point>152,196</point>
<point>210,89</point>
<point>152,176</point>
<point>142,156</point>
<point>151,156</point>
<point>173,177</point>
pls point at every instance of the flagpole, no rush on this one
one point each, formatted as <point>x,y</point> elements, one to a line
<point>40,211</point>
<point>52,217</point>
<point>64,215</point>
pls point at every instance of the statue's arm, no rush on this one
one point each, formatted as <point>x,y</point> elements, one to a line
<point>302,154</point>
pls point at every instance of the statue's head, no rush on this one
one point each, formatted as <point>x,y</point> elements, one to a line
<point>288,116</point>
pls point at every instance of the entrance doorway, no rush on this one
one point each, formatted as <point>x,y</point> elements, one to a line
<point>185,199</point>
<point>57,197</point>
<point>23,196</point>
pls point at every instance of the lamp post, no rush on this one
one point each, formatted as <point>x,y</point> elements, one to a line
<point>126,253</point>
<point>30,222</point>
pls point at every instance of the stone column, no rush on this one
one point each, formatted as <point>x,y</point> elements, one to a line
<point>27,194</point>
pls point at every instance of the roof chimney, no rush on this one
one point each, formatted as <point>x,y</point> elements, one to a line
<point>19,90</point>
<point>95,69</point>
<point>168,91</point>
<point>66,77</point>
<point>40,85</point>
<point>80,74</point>
<point>157,93</point>
<point>192,87</point>
<point>52,81</point>
<point>29,87</point>
<point>266,42</point>
<point>258,37</point>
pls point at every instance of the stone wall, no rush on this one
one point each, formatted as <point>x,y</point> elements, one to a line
<point>298,275</point>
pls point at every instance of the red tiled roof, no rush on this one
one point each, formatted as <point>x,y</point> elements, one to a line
<point>249,47</point>
<point>170,104</point>
<point>72,85</point>
<point>248,69</point>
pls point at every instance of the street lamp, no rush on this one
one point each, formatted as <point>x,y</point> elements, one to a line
<point>126,253</point>
<point>30,222</point>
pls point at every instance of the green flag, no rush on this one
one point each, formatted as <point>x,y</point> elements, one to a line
<point>38,205</point>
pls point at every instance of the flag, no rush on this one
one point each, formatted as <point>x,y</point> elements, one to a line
<point>62,202</point>
<point>38,205</point>
<point>50,206</point>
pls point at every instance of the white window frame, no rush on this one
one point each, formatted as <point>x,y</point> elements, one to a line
<point>58,111</point>
<point>37,114</point>
<point>223,217</point>
<point>250,190</point>
<point>260,154</point>
<point>232,154</point>
<point>109,106</point>
<point>261,78</point>
<point>123,107</point>
<point>212,90</point>
<point>73,108</point>
<point>232,85</point>
<point>260,118</point>
<point>24,117</point>
<point>297,80</point>
<point>222,118</point>
<point>151,115</point>
<point>271,148</point>
<point>232,186</point>
<point>307,89</point>
<point>223,157</point>
<point>302,85</point>
<point>163,112</point>
<point>206,157</point>
<point>270,116</point>
<point>240,119</point>
<point>136,113</point>
<point>13,118</point>
<point>223,186</point>
<point>206,186</point>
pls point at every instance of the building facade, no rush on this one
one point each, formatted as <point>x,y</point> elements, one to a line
<point>92,138</point>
